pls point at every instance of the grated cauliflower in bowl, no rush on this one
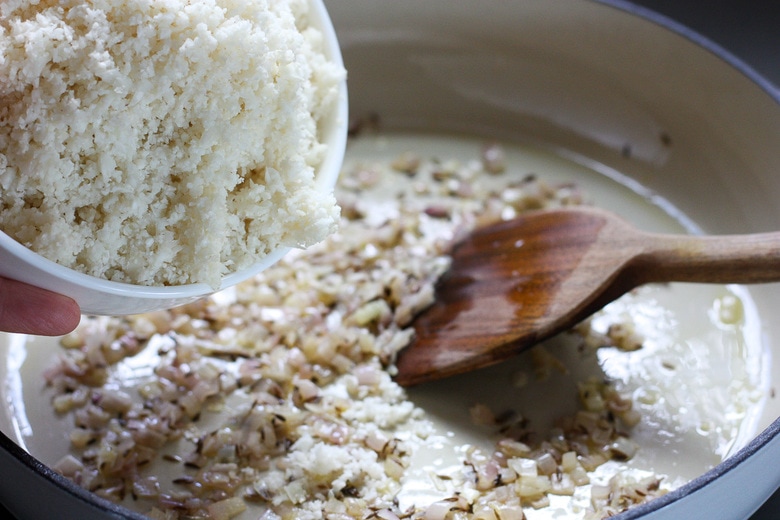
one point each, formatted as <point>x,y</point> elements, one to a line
<point>163,142</point>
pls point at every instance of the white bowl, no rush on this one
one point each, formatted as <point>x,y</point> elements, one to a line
<point>102,297</point>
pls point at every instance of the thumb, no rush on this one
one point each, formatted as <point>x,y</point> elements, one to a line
<point>31,310</point>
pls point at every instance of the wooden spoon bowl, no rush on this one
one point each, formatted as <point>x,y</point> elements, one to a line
<point>517,282</point>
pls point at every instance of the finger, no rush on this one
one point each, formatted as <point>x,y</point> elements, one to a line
<point>31,310</point>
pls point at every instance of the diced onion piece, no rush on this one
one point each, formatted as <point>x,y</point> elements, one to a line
<point>226,509</point>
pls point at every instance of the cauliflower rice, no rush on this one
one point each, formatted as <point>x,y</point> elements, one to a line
<point>162,142</point>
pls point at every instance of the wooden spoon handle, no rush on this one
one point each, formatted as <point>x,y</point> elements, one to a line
<point>746,259</point>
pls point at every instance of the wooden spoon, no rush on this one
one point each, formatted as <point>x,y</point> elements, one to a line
<point>515,283</point>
